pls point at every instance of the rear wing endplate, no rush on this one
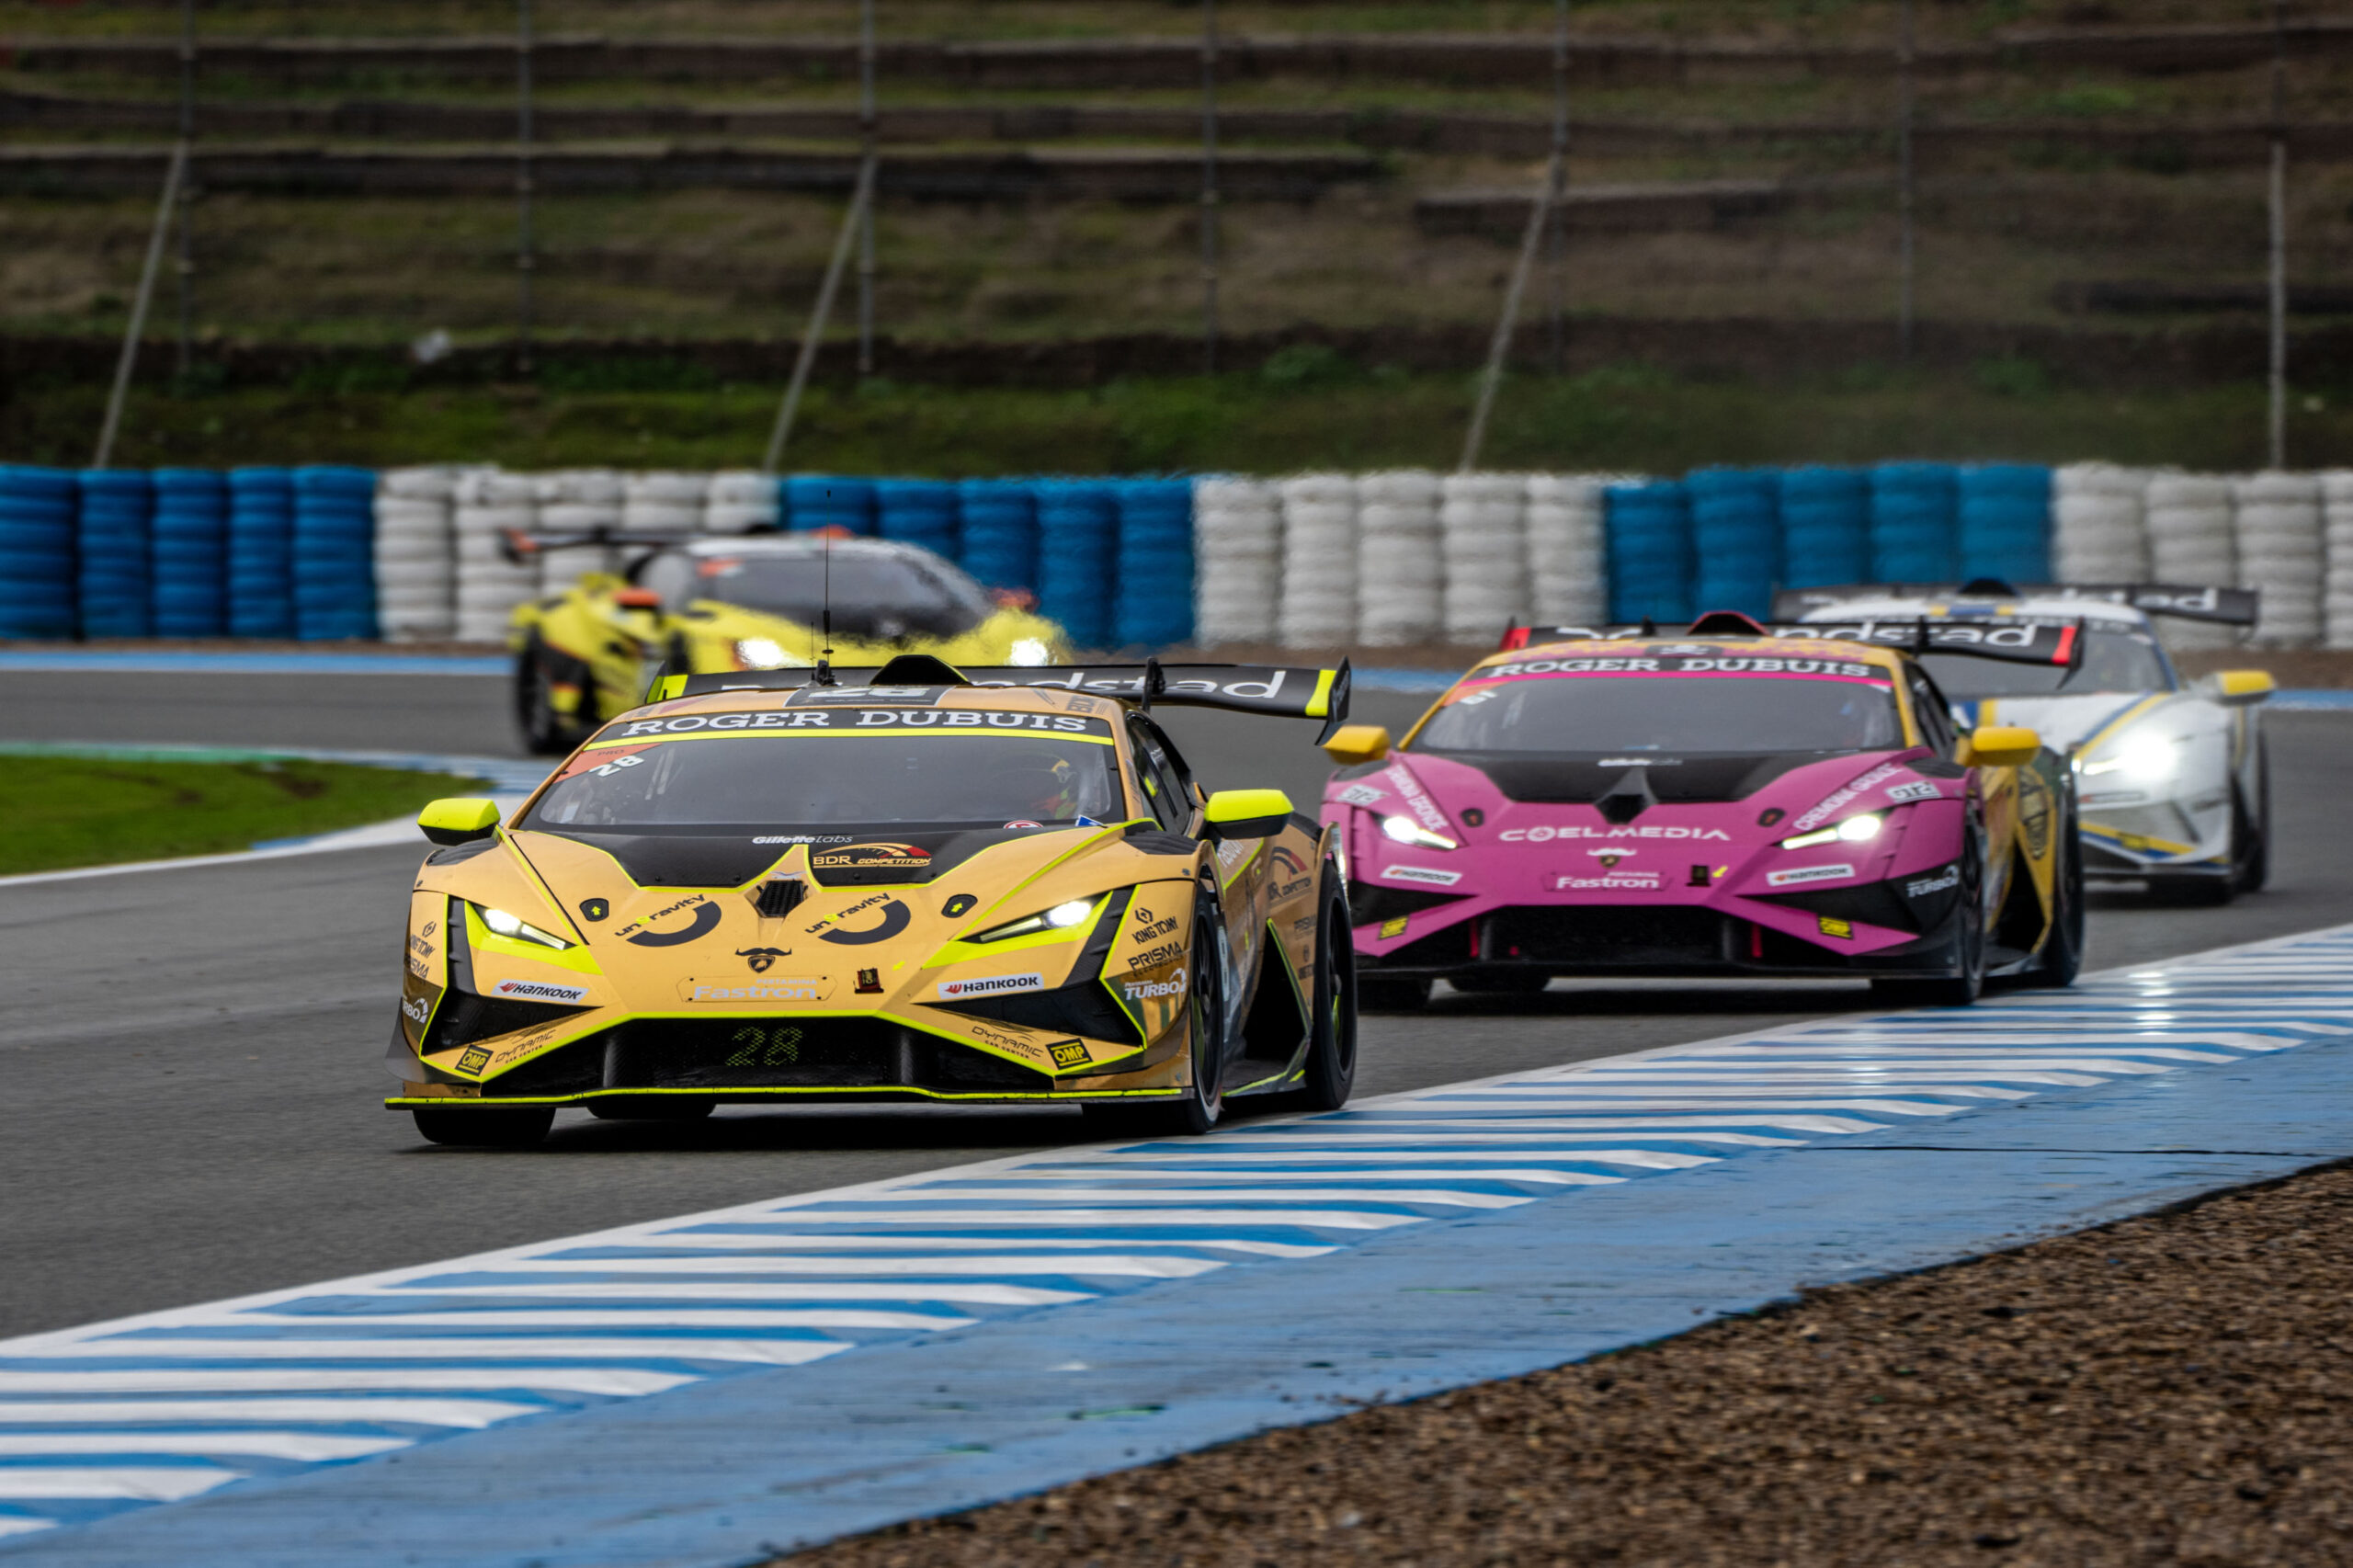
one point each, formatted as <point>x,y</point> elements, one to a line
<point>1275,690</point>
<point>2012,641</point>
<point>2225,606</point>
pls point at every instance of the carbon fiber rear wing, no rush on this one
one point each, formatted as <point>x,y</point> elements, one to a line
<point>2225,606</point>
<point>1275,690</point>
<point>2011,642</point>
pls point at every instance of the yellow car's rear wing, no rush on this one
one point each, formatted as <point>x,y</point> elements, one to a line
<point>1279,691</point>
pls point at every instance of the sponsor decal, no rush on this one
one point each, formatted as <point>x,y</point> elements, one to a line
<point>1436,879</point>
<point>1545,834</point>
<point>2034,810</point>
<point>474,1059</point>
<point>417,966</point>
<point>757,1047</point>
<point>1001,1034</point>
<point>540,991</point>
<point>1844,930</point>
<point>1837,799</point>
<point>705,916</point>
<point>1167,952</point>
<point>594,909</point>
<point>845,914</point>
<point>1284,893</point>
<point>760,990</point>
<point>860,720</point>
<point>762,959</point>
<point>1688,664</point>
<point>1626,881</point>
<point>869,982</point>
<point>1640,761</point>
<point>854,697</point>
<point>989,985</point>
<point>1947,877</point>
<point>1148,929</point>
<point>1421,805</point>
<point>415,1009</point>
<point>873,857</point>
<point>1152,990</point>
<point>895,919</point>
<point>420,947</point>
<point>1390,928</point>
<point>1917,790</point>
<point>1610,857</point>
<point>958,907</point>
<point>1068,1053</point>
<point>804,838</point>
<point>1024,822</point>
<point>431,926</point>
<point>1797,874</point>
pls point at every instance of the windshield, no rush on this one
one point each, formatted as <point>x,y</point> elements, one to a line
<point>876,595</point>
<point>1667,712</point>
<point>2111,662</point>
<point>898,774</point>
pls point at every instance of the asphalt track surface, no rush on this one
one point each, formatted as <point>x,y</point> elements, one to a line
<point>192,1058</point>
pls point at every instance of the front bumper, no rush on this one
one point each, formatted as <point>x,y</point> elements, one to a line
<point>1649,939</point>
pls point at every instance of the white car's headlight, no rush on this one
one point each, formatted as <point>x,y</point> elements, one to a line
<point>1061,917</point>
<point>762,654</point>
<point>1029,651</point>
<point>2150,758</point>
<point>1406,830</point>
<point>507,925</point>
<point>1853,830</point>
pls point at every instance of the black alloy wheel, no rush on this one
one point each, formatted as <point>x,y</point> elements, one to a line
<point>2063,949</point>
<point>1331,1068</point>
<point>1204,1099</point>
<point>519,1126</point>
<point>1962,987</point>
<point>2251,828</point>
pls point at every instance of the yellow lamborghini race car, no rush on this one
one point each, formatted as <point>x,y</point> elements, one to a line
<point>711,605</point>
<point>911,883</point>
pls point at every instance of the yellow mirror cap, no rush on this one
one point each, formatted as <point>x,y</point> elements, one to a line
<point>2245,683</point>
<point>2007,738</point>
<point>461,813</point>
<point>1358,743</point>
<point>1248,806</point>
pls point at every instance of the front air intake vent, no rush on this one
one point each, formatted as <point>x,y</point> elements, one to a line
<point>779,898</point>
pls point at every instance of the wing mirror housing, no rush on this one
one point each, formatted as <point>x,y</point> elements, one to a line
<point>1353,743</point>
<point>2001,746</point>
<point>2239,688</point>
<point>1245,813</point>
<point>458,820</point>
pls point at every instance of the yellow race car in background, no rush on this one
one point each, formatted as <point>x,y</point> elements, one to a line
<point>719,605</point>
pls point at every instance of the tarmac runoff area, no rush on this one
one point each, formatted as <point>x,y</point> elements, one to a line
<point>694,1390</point>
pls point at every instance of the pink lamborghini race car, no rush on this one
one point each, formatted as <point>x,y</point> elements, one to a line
<point>1727,800</point>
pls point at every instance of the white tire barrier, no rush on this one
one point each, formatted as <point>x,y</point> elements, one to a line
<point>1482,520</point>
<point>664,503</point>
<point>2276,518</point>
<point>1401,567</point>
<point>2097,524</point>
<point>1565,551</point>
<point>576,500</point>
<point>1238,557</point>
<point>1317,605</point>
<point>742,500</point>
<point>2191,541</point>
<point>416,559</point>
<point>487,503</point>
<point>2336,540</point>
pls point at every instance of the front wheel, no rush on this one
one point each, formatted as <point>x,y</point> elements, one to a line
<point>546,731</point>
<point>1204,1099</point>
<point>1961,988</point>
<point>2063,949</point>
<point>519,1128</point>
<point>1331,1074</point>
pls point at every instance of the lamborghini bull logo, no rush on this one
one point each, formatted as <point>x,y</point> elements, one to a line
<point>762,959</point>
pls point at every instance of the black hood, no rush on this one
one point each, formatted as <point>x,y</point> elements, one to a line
<point>1584,778</point>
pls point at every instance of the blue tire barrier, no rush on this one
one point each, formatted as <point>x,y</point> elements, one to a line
<point>191,553</point>
<point>334,554</point>
<point>1152,605</point>
<point>1826,526</point>
<point>2005,526</point>
<point>997,536</point>
<point>37,568</point>
<point>1078,549</point>
<point>1736,539</point>
<point>918,512</point>
<point>813,501</point>
<point>1647,531</point>
<point>1915,523</point>
<point>261,552</point>
<point>111,548</point>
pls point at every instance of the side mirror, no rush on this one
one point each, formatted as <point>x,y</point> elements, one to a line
<point>2239,688</point>
<point>459,820</point>
<point>2000,746</point>
<point>1352,744</point>
<point>1247,813</point>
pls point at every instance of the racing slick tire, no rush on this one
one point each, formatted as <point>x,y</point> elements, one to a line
<point>519,1128</point>
<point>1204,1099</point>
<point>2251,828</point>
<point>650,1108</point>
<point>1391,994</point>
<point>2063,950</point>
<point>1961,988</point>
<point>1332,1031</point>
<point>546,732</point>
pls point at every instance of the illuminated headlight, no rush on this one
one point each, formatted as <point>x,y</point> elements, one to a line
<point>761,653</point>
<point>1061,917</point>
<point>507,925</point>
<point>2150,757</point>
<point>1854,830</point>
<point>1406,830</point>
<point>1030,650</point>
